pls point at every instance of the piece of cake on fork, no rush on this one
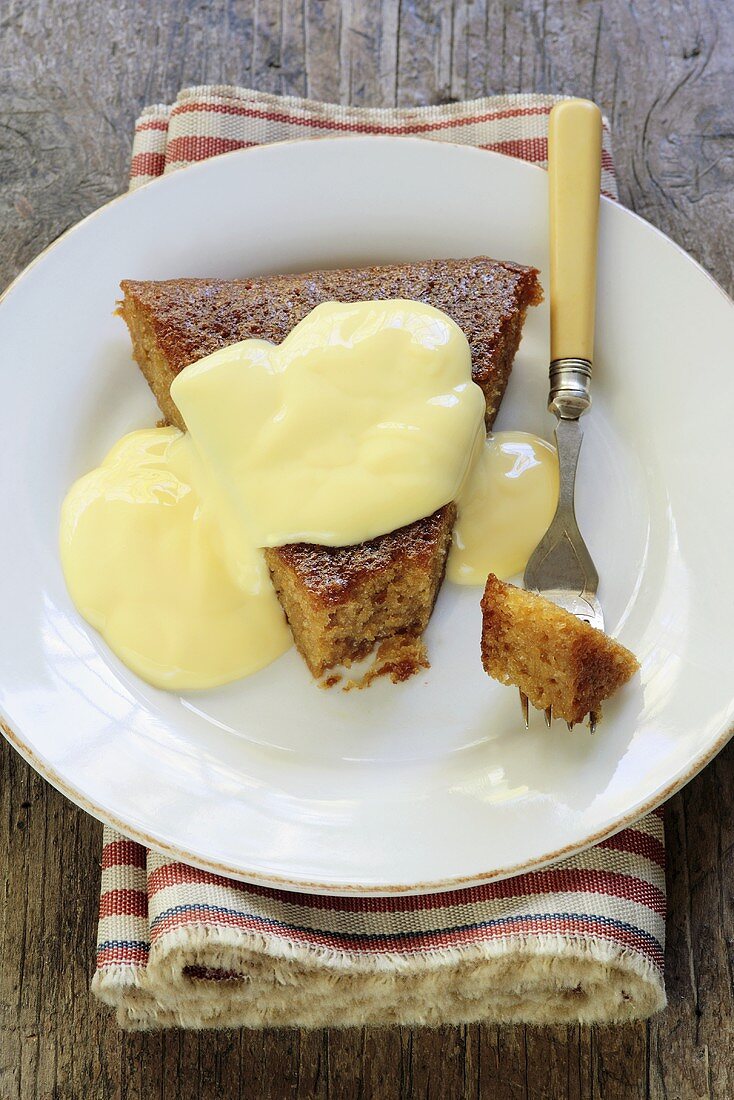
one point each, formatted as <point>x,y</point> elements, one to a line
<point>340,601</point>
<point>553,657</point>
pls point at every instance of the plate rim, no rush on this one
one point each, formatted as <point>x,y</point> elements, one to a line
<point>281,882</point>
<point>24,747</point>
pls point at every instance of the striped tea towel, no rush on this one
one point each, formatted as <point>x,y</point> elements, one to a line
<point>580,941</point>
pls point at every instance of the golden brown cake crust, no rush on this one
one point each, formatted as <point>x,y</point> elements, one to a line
<point>554,658</point>
<point>331,573</point>
<point>191,318</point>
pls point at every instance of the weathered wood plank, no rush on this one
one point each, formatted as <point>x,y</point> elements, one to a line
<point>74,79</point>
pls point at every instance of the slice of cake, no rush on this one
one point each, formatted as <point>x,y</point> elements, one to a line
<point>339,602</point>
<point>554,658</point>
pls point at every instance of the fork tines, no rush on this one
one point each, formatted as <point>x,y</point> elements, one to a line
<point>548,714</point>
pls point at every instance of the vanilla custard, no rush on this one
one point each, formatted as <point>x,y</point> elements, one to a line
<point>363,420</point>
<point>360,422</point>
<point>145,564</point>
<point>504,508</point>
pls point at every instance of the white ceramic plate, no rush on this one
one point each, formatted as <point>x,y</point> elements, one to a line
<point>433,783</point>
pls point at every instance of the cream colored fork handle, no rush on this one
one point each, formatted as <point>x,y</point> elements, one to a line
<point>574,166</point>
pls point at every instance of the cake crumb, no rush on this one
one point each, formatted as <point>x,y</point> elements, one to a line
<point>399,657</point>
<point>330,681</point>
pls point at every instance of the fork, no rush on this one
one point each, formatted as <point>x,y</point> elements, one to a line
<point>561,568</point>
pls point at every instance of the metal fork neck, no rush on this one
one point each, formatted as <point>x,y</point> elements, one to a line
<point>570,388</point>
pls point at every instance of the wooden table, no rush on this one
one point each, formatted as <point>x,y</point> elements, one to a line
<point>79,72</point>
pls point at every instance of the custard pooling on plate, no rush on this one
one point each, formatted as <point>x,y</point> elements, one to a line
<point>505,507</point>
<point>145,563</point>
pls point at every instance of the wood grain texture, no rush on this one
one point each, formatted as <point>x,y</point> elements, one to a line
<point>73,78</point>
